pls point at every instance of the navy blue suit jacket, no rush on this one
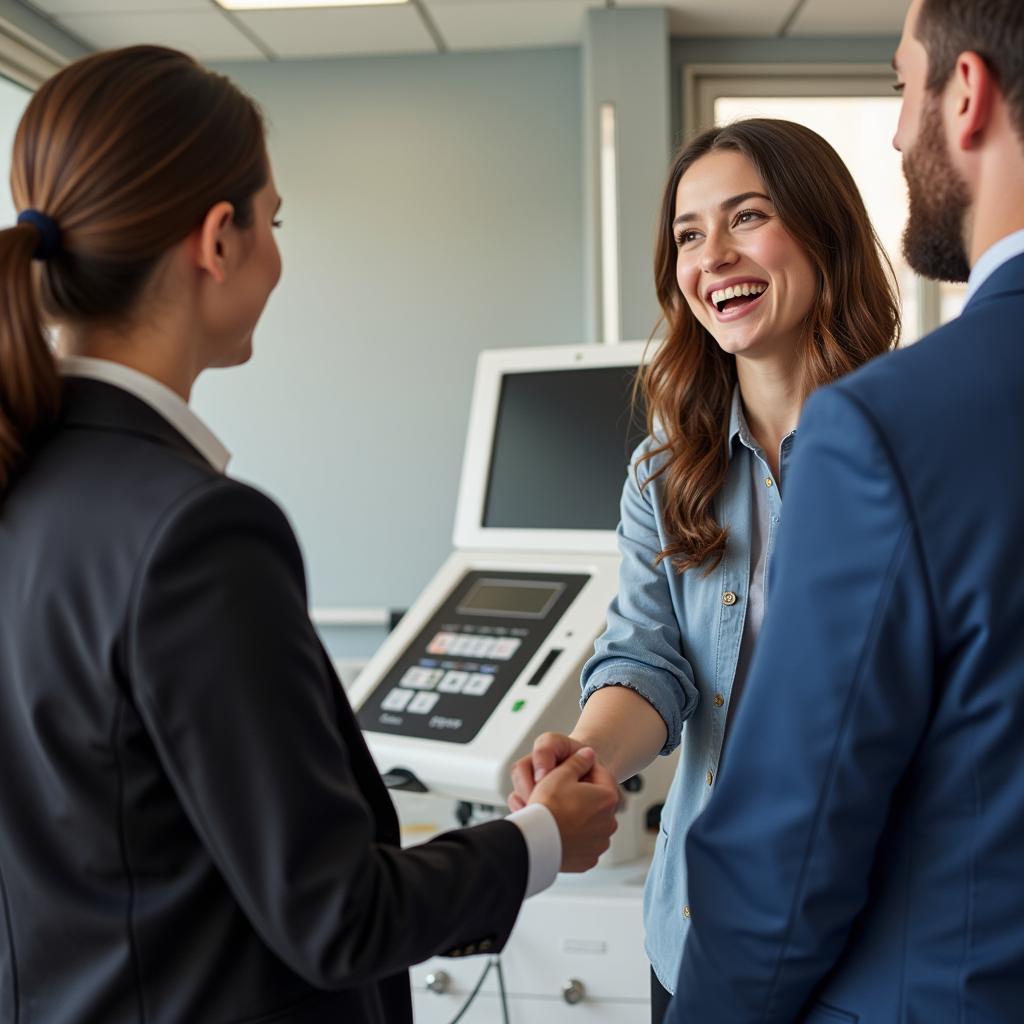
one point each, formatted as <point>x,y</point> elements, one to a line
<point>862,858</point>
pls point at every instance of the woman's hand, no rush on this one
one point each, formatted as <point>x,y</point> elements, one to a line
<point>622,728</point>
<point>550,749</point>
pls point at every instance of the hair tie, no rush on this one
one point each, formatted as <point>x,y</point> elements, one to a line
<point>49,233</point>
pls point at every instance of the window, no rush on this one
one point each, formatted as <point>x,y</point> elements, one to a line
<point>856,111</point>
<point>13,100</point>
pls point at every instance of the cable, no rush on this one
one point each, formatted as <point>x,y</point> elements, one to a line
<point>501,990</point>
<point>476,988</point>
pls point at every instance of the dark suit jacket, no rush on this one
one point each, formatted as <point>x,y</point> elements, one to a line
<point>862,857</point>
<point>191,827</point>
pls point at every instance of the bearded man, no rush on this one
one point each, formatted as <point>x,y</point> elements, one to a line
<point>861,858</point>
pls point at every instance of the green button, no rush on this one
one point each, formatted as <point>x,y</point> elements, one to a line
<point>519,705</point>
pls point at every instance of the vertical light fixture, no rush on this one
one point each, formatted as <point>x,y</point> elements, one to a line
<point>611,328</point>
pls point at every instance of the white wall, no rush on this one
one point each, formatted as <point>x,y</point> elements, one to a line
<point>431,210</point>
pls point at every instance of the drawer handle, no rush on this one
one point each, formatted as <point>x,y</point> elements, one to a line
<point>439,982</point>
<point>573,991</point>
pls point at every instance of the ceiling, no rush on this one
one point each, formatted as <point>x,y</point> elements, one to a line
<point>430,26</point>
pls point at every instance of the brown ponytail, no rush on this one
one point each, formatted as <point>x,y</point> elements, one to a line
<point>125,151</point>
<point>29,386</point>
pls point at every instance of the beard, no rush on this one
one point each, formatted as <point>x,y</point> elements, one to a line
<point>933,240</point>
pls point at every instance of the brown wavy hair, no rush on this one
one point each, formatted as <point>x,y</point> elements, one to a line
<point>689,383</point>
<point>125,151</point>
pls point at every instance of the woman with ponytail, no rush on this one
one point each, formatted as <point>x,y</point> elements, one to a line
<point>192,830</point>
<point>772,283</point>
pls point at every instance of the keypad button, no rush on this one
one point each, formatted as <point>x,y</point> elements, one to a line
<point>453,682</point>
<point>478,684</point>
<point>440,643</point>
<point>396,700</point>
<point>504,649</point>
<point>423,703</point>
<point>419,678</point>
<point>461,645</point>
<point>481,646</point>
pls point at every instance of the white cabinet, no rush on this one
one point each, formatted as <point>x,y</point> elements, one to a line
<point>586,929</point>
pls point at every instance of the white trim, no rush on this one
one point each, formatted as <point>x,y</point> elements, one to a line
<point>350,616</point>
<point>611,319</point>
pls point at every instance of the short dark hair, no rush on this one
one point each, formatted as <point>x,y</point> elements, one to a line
<point>993,29</point>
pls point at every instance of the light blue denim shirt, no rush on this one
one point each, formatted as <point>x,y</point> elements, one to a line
<point>675,639</point>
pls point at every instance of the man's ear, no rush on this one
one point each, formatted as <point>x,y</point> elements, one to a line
<point>213,240</point>
<point>972,101</point>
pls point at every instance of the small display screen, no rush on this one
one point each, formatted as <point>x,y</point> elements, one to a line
<point>562,441</point>
<point>498,597</point>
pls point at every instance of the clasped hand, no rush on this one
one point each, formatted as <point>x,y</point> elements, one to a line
<point>579,791</point>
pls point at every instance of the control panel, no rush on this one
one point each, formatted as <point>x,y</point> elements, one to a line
<point>450,679</point>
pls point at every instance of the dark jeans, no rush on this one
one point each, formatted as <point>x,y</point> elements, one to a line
<point>659,1000</point>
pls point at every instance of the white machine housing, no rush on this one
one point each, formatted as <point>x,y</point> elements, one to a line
<point>545,693</point>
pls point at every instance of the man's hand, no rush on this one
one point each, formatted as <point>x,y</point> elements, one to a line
<point>549,750</point>
<point>583,797</point>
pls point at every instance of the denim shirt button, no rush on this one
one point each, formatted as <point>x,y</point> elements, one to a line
<point>729,598</point>
<point>719,700</point>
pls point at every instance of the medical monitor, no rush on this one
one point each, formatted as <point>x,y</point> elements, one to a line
<point>551,431</point>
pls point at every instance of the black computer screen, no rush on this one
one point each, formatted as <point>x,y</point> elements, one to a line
<point>561,449</point>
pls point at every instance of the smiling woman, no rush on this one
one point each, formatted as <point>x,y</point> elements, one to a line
<point>743,275</point>
<point>766,205</point>
<point>772,283</point>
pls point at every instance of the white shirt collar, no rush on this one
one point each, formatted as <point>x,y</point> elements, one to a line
<point>992,259</point>
<point>158,397</point>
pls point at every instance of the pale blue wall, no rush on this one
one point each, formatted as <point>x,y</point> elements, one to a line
<point>431,210</point>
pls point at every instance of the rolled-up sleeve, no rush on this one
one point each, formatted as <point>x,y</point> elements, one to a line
<point>642,647</point>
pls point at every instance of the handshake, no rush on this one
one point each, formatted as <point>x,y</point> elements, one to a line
<point>580,792</point>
